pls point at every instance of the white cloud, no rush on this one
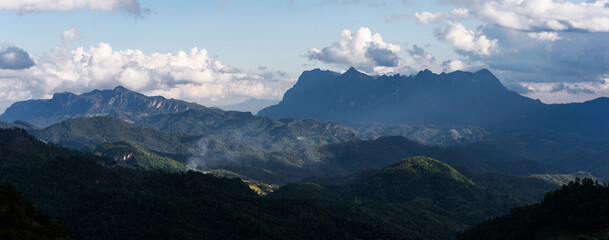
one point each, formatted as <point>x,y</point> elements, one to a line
<point>465,40</point>
<point>566,92</point>
<point>428,17</point>
<point>544,36</point>
<point>360,49</point>
<point>542,15</point>
<point>192,76</point>
<point>454,65</point>
<point>372,3</point>
<point>71,34</point>
<point>25,6</point>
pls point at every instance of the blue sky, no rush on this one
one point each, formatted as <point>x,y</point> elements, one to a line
<point>224,52</point>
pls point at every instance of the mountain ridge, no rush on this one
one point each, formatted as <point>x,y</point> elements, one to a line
<point>456,98</point>
<point>118,102</point>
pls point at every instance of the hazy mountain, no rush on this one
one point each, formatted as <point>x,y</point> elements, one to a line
<point>457,98</point>
<point>120,103</point>
<point>565,150</point>
<point>358,155</point>
<point>168,115</point>
<point>427,134</point>
<point>300,152</point>
<point>264,132</point>
<point>252,105</point>
<point>79,133</point>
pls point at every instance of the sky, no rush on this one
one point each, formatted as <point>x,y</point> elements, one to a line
<point>227,51</point>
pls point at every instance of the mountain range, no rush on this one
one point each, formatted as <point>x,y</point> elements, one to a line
<point>119,103</point>
<point>191,133</point>
<point>97,199</point>
<point>489,149</point>
<point>456,98</point>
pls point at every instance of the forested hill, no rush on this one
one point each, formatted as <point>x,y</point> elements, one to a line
<point>110,202</point>
<point>578,209</point>
<point>20,220</point>
<point>418,196</point>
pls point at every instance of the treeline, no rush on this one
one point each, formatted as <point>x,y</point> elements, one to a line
<point>579,210</point>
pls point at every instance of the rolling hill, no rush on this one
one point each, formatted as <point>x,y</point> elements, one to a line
<point>100,202</point>
<point>418,196</point>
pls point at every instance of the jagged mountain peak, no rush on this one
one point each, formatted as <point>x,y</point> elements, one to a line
<point>461,98</point>
<point>425,73</point>
<point>351,70</point>
<point>119,102</point>
<point>120,88</point>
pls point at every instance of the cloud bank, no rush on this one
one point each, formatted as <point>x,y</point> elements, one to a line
<point>541,15</point>
<point>192,76</point>
<point>542,48</point>
<point>26,6</point>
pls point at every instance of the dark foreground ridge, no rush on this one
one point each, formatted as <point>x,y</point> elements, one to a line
<point>110,202</point>
<point>578,208</point>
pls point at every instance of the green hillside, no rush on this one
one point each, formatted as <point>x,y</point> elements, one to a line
<point>20,220</point>
<point>419,196</point>
<point>132,154</point>
<point>578,209</point>
<point>96,202</point>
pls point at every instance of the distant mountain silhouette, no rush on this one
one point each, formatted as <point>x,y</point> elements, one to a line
<point>119,103</point>
<point>252,105</point>
<point>457,98</point>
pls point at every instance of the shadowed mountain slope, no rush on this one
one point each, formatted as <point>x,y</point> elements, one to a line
<point>119,103</point>
<point>456,98</point>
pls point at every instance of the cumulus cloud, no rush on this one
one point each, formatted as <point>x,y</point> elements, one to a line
<point>542,15</point>
<point>464,40</point>
<point>554,46</point>
<point>418,53</point>
<point>575,57</point>
<point>71,34</point>
<point>566,92</point>
<point>25,6</point>
<point>15,58</point>
<point>360,49</point>
<point>544,36</point>
<point>192,76</point>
